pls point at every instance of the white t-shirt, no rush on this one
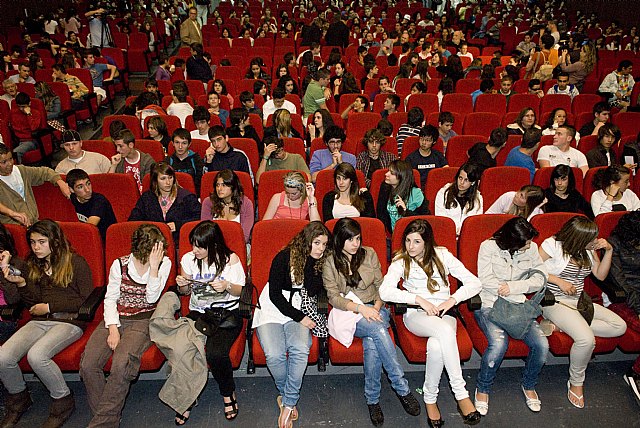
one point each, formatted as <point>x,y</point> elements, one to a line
<point>555,156</point>
<point>269,108</point>
<point>182,110</point>
<point>14,181</point>
<point>600,204</point>
<point>204,297</point>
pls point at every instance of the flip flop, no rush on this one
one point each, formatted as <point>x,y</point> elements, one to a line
<point>294,413</point>
<point>570,393</point>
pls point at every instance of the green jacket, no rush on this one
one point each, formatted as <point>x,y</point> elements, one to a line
<point>31,176</point>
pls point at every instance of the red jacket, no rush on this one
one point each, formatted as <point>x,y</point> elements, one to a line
<point>22,124</point>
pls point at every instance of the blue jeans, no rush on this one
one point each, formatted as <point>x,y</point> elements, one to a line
<point>498,342</point>
<point>379,351</point>
<point>24,147</point>
<point>279,341</point>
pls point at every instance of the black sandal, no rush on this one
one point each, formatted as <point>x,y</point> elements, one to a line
<point>233,413</point>
<point>182,419</point>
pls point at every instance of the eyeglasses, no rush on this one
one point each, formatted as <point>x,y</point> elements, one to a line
<point>334,141</point>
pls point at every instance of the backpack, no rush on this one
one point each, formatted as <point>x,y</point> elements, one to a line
<point>545,72</point>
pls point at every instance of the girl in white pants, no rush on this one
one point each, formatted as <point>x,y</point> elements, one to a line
<point>424,268</point>
<point>570,256</point>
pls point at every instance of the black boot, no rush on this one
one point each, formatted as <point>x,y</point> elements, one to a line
<point>16,405</point>
<point>59,411</point>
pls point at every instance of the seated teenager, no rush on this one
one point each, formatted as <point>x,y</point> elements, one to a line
<point>613,193</point>
<point>526,202</point>
<point>461,198</point>
<point>297,201</point>
<point>562,195</point>
<point>92,208</point>
<point>374,158</point>
<point>136,281</point>
<point>425,158</point>
<point>347,199</point>
<point>399,196</point>
<point>228,202</point>
<point>166,202</point>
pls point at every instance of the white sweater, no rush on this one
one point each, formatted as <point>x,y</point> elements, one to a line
<point>416,284</point>
<point>457,214</point>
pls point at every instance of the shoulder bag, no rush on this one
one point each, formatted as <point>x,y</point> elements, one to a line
<point>517,318</point>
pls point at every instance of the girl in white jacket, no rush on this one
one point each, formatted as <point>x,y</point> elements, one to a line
<point>613,192</point>
<point>461,199</point>
<point>424,267</point>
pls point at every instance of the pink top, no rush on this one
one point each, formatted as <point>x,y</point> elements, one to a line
<point>246,214</point>
<point>287,212</point>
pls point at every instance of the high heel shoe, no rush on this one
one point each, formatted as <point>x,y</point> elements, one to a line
<point>434,423</point>
<point>471,418</point>
<point>181,419</point>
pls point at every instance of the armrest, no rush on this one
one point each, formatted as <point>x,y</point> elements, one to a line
<point>474,303</point>
<point>246,299</point>
<point>39,133</point>
<point>323,302</point>
<point>399,308</point>
<point>549,299</point>
<point>89,307</point>
<point>11,312</point>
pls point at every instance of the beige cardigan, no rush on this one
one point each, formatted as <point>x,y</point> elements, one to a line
<point>367,288</point>
<point>32,176</point>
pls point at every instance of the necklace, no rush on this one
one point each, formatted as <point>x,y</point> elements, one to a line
<point>291,212</point>
<point>164,200</point>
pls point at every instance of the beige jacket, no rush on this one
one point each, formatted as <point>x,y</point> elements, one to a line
<point>31,176</point>
<point>367,288</point>
<point>183,345</point>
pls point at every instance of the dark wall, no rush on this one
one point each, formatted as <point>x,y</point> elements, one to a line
<point>12,11</point>
<point>625,11</point>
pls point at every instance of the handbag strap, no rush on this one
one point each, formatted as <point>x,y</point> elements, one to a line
<point>540,293</point>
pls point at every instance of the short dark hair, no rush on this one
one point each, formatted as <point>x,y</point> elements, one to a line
<point>415,117</point>
<point>23,99</point>
<point>201,113</point>
<point>126,136</point>
<point>245,96</point>
<point>530,138</point>
<point>445,117</point>
<point>237,115</point>
<point>180,90</point>
<point>498,137</point>
<point>76,175</point>
<point>430,131</point>
<point>181,133</point>
<point>534,82</point>
<point>486,85</point>
<point>601,106</point>
<point>115,127</point>
<point>395,99</point>
<point>151,81</point>
<point>625,63</point>
<point>279,92</point>
<point>217,131</point>
<point>563,74</point>
<point>385,127</point>
<point>333,132</point>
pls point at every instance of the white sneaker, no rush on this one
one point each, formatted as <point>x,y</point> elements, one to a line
<point>633,380</point>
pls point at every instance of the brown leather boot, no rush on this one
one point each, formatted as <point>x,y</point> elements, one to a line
<point>59,411</point>
<point>16,405</point>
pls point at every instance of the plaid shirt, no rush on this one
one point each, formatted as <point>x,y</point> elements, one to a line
<point>363,163</point>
